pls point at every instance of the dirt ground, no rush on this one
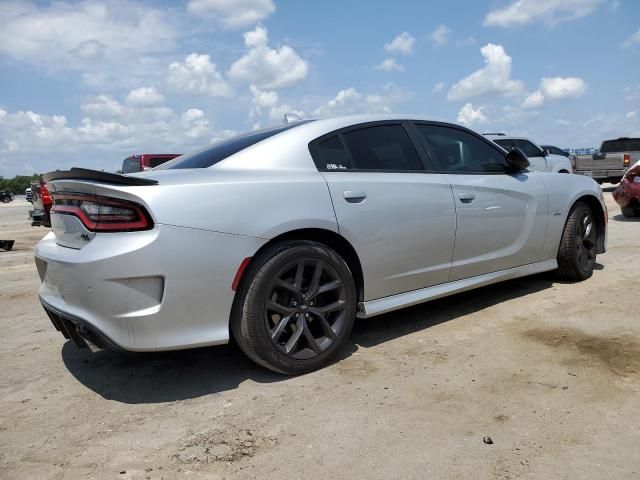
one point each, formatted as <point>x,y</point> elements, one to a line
<point>549,370</point>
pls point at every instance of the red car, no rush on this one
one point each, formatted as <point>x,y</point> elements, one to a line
<point>628,192</point>
<point>145,161</point>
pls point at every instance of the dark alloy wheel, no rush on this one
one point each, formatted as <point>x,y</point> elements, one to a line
<point>578,247</point>
<point>296,307</point>
<point>305,308</point>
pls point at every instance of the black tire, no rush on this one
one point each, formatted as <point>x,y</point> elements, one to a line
<point>6,199</point>
<point>285,321</point>
<point>578,246</point>
<point>628,211</point>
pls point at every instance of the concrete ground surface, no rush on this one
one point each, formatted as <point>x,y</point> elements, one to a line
<point>549,370</point>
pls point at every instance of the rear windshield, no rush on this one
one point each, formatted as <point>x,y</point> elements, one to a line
<point>211,155</point>
<point>131,165</point>
<point>621,145</point>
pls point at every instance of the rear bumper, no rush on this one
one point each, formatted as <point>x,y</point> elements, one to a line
<point>163,289</point>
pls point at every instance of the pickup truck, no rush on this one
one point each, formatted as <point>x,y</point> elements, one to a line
<point>146,161</point>
<point>611,162</point>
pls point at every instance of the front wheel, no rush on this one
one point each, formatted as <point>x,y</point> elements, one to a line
<point>578,246</point>
<point>6,199</point>
<point>296,307</point>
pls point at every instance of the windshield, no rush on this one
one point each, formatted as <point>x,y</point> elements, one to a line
<point>131,165</point>
<point>621,145</point>
<point>213,154</point>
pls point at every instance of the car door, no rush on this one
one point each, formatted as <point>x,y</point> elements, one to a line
<point>501,218</point>
<point>399,217</point>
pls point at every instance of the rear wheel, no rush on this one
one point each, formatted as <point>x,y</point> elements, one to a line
<point>296,307</point>
<point>6,199</point>
<point>577,253</point>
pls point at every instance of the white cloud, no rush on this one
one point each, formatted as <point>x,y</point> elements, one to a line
<point>233,13</point>
<point>551,12</point>
<point>561,122</point>
<point>30,137</point>
<point>438,87</point>
<point>493,78</point>
<point>351,101</point>
<point>468,115</point>
<point>440,36</point>
<point>266,67</point>
<point>555,88</point>
<point>631,114</point>
<point>103,105</point>
<point>145,96</point>
<point>197,74</point>
<point>403,44</point>
<point>632,40</point>
<point>83,35</point>
<point>389,65</point>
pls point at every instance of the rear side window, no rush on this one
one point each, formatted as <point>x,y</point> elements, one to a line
<point>457,151</point>
<point>386,147</point>
<point>211,155</point>
<point>330,154</point>
<point>621,145</point>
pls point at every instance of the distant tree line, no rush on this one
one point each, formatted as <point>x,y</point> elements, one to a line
<point>17,184</point>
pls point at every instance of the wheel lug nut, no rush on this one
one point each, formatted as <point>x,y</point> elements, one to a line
<point>311,304</point>
<point>306,315</point>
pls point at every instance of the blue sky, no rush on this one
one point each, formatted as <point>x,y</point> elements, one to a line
<point>88,83</point>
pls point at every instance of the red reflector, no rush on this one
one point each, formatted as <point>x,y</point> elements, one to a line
<point>239,273</point>
<point>627,159</point>
<point>103,214</point>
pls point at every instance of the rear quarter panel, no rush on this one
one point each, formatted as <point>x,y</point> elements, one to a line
<point>564,191</point>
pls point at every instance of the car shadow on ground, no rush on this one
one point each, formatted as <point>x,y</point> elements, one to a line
<point>170,376</point>
<point>622,218</point>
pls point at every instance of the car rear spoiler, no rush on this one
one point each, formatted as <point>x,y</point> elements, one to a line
<point>97,176</point>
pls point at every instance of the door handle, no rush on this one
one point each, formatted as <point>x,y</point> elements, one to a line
<point>466,197</point>
<point>354,196</point>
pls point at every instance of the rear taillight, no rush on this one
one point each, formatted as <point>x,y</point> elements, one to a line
<point>627,160</point>
<point>103,214</point>
<point>44,194</point>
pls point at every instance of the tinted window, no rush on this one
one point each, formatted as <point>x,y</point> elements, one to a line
<point>211,155</point>
<point>621,145</point>
<point>457,151</point>
<point>529,149</point>
<point>330,154</point>
<point>387,147</point>
<point>555,150</point>
<point>157,161</point>
<point>131,165</point>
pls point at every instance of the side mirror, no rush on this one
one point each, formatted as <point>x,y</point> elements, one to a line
<point>545,152</point>
<point>598,156</point>
<point>517,160</point>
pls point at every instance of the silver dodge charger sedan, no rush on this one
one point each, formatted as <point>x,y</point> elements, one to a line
<point>281,237</point>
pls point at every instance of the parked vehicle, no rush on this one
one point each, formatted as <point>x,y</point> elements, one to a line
<point>28,195</point>
<point>6,197</point>
<point>540,159</point>
<point>627,194</point>
<point>146,161</point>
<point>41,200</point>
<point>280,237</point>
<point>611,162</point>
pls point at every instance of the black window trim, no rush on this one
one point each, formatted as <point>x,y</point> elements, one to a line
<point>422,155</point>
<point>497,148</point>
